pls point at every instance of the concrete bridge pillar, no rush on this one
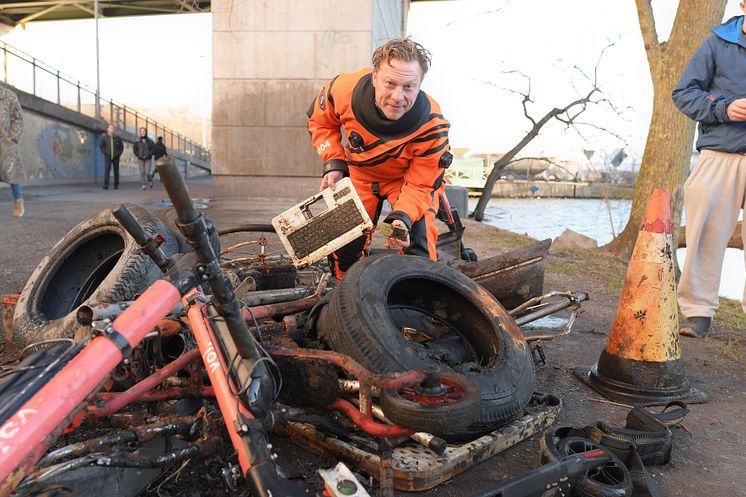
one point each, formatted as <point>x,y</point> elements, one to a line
<point>270,58</point>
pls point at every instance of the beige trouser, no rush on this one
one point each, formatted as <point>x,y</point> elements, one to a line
<point>714,194</point>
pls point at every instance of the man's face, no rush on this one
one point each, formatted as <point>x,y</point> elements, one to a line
<point>143,133</point>
<point>396,86</point>
<point>110,129</point>
<point>743,8</point>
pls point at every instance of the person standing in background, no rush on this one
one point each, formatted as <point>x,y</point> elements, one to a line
<point>11,130</point>
<point>143,149</point>
<point>159,149</point>
<point>112,148</point>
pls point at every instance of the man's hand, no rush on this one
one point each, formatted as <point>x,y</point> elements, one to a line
<point>330,179</point>
<point>737,110</point>
<point>395,243</point>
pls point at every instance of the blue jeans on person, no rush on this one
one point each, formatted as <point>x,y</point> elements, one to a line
<point>110,163</point>
<point>17,191</point>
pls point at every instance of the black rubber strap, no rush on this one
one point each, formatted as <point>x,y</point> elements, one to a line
<point>120,341</point>
<point>399,216</point>
<point>335,165</point>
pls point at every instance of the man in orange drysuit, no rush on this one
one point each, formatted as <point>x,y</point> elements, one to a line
<point>396,146</point>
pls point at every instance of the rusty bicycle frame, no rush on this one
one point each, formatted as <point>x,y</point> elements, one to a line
<point>233,366</point>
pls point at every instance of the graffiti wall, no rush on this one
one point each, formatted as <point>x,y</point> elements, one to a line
<point>55,151</point>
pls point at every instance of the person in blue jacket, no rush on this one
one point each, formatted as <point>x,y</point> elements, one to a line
<point>712,91</point>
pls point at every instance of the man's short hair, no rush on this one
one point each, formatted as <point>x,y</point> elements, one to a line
<point>403,49</point>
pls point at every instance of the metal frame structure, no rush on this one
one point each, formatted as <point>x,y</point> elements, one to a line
<point>15,13</point>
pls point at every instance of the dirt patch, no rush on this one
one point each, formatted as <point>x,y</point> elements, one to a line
<point>709,456</point>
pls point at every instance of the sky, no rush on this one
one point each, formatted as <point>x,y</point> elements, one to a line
<point>478,48</point>
<point>145,61</point>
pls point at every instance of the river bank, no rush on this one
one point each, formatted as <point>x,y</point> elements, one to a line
<point>555,189</point>
<point>708,456</point>
<point>598,219</point>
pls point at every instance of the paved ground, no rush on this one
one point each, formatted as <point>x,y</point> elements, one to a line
<point>708,460</point>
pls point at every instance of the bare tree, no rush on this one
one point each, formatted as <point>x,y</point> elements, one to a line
<point>668,149</point>
<point>568,115</point>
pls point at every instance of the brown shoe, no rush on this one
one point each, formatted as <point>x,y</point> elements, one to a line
<point>696,327</point>
<point>18,209</point>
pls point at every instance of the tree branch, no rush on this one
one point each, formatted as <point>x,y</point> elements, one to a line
<point>564,115</point>
<point>649,34</point>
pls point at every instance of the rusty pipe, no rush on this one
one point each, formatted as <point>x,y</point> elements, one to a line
<point>389,380</point>
<point>145,385</point>
<point>264,297</point>
<point>87,314</point>
<point>282,308</point>
<point>163,394</point>
<point>366,423</point>
<point>428,440</point>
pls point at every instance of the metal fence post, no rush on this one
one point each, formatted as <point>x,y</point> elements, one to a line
<point>33,74</point>
<point>79,97</point>
<point>59,99</point>
<point>5,62</point>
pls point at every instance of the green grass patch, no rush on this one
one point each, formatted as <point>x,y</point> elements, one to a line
<point>496,239</point>
<point>731,347</point>
<point>609,270</point>
<point>730,314</point>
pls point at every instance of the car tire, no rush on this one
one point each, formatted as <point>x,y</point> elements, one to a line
<point>96,262</point>
<point>366,319</point>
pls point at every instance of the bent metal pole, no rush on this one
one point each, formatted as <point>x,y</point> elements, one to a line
<point>24,437</point>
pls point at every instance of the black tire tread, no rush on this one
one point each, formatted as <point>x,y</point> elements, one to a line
<point>347,332</point>
<point>134,272</point>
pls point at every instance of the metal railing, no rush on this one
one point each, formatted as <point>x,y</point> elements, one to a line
<point>31,75</point>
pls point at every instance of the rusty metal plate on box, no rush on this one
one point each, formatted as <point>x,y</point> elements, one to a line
<point>513,277</point>
<point>415,467</point>
<point>322,224</point>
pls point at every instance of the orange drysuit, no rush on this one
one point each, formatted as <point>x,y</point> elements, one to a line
<point>403,161</point>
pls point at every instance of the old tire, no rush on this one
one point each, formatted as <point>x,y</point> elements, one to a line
<point>364,320</point>
<point>612,479</point>
<point>97,261</point>
<point>168,217</point>
<point>454,410</point>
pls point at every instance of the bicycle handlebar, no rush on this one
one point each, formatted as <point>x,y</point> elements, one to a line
<point>177,190</point>
<point>146,243</point>
<point>197,229</point>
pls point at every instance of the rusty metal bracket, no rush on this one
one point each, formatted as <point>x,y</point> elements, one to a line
<point>538,309</point>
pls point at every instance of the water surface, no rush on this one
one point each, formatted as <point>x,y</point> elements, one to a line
<point>597,218</point>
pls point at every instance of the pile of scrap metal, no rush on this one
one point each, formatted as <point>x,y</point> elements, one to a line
<point>430,372</point>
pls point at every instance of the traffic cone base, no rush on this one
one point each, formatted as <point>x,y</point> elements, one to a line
<point>641,362</point>
<point>635,382</point>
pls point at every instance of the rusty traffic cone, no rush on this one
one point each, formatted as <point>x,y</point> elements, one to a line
<point>641,363</point>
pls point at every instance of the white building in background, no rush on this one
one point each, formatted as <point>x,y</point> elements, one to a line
<point>616,166</point>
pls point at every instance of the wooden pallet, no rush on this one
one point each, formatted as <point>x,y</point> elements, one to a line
<point>415,467</point>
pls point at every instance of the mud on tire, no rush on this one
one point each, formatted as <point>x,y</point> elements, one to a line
<point>97,261</point>
<point>381,298</point>
<point>169,219</point>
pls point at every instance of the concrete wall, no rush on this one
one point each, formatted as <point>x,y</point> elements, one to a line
<point>59,145</point>
<point>269,61</point>
<point>556,189</point>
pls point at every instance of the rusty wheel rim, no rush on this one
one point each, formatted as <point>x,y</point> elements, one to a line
<point>454,393</point>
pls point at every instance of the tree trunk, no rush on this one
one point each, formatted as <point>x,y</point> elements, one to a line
<point>665,162</point>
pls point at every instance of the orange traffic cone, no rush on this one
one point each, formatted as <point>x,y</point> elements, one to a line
<point>641,363</point>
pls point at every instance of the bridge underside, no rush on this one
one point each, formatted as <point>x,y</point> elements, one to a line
<point>13,12</point>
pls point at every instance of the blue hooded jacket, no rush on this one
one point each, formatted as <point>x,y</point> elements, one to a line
<point>715,77</point>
